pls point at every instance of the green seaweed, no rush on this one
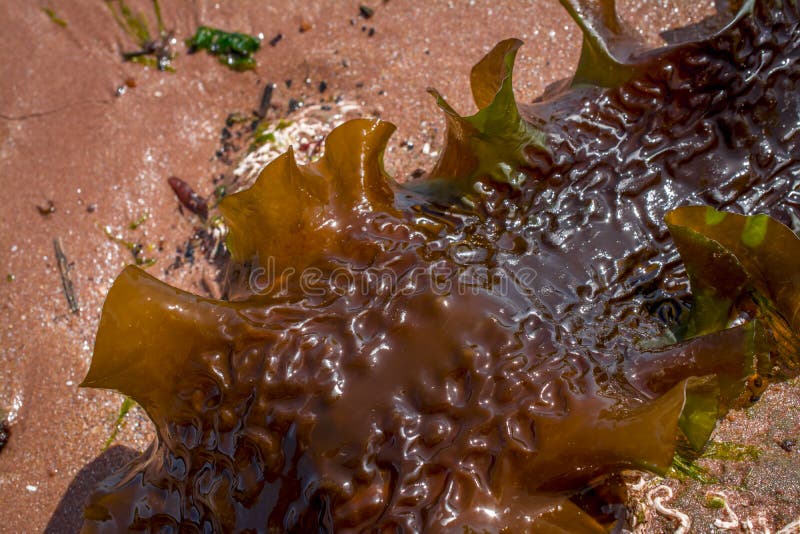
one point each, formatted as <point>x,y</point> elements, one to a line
<point>233,49</point>
<point>265,133</point>
<point>119,422</point>
<point>133,225</point>
<point>684,468</point>
<point>153,52</point>
<point>735,263</point>
<point>55,18</point>
<point>735,452</point>
<point>740,268</point>
<point>715,502</point>
<point>136,249</point>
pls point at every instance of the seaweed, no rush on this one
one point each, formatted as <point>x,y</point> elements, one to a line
<point>53,17</point>
<point>474,349</point>
<point>233,49</point>
<point>119,422</point>
<point>714,501</point>
<point>735,452</point>
<point>687,466</point>
<point>136,249</point>
<point>490,143</point>
<point>155,52</point>
<point>133,225</point>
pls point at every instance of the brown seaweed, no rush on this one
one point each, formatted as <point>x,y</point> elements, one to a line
<point>471,351</point>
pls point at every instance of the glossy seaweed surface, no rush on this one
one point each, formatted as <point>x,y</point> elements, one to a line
<point>580,286</point>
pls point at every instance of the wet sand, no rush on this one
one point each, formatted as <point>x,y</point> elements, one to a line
<point>104,161</point>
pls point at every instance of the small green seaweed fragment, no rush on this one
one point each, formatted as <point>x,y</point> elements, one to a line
<point>159,20</point>
<point>683,468</point>
<point>265,133</point>
<point>684,464</point>
<point>714,501</point>
<point>267,137</point>
<point>155,53</point>
<point>126,406</point>
<point>55,18</point>
<point>136,249</point>
<point>734,452</point>
<point>138,222</point>
<point>10,277</point>
<point>237,118</point>
<point>233,49</point>
<point>134,24</point>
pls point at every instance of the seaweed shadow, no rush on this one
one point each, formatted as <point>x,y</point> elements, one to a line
<point>68,516</point>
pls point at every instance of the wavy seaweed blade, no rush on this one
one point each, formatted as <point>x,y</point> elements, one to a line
<point>738,265</point>
<point>489,144</point>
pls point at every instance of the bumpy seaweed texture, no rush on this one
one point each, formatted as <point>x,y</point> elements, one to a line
<point>473,350</point>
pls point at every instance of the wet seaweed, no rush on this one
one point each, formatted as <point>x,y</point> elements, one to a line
<point>475,349</point>
<point>233,49</point>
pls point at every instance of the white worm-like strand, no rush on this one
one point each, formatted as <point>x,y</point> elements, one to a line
<point>791,528</point>
<point>684,523</point>
<point>733,519</point>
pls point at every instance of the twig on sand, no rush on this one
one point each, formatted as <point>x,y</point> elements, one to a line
<point>63,269</point>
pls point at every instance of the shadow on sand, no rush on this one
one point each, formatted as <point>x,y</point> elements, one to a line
<point>68,517</point>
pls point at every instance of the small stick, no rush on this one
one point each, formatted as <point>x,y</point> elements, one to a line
<point>266,100</point>
<point>63,269</point>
